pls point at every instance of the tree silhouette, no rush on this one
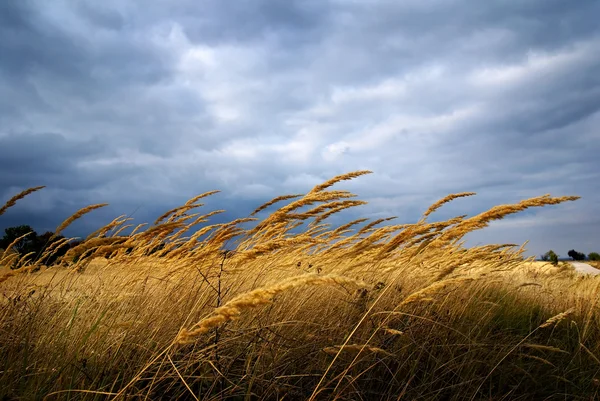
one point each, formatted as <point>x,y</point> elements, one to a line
<point>33,244</point>
<point>25,244</point>
<point>573,254</point>
<point>550,256</point>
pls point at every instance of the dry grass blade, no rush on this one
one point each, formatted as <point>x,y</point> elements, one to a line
<point>356,348</point>
<point>182,379</point>
<point>158,231</point>
<point>445,200</point>
<point>113,224</point>
<point>424,292</point>
<point>557,318</point>
<point>498,213</point>
<point>541,347</point>
<point>12,201</point>
<point>273,201</point>
<point>284,215</point>
<point>76,216</point>
<point>261,296</point>
<point>343,205</point>
<point>91,244</point>
<point>190,204</point>
<point>170,212</point>
<point>6,276</point>
<point>274,245</point>
<point>311,199</point>
<point>8,251</point>
<point>537,358</point>
<point>372,224</point>
<point>198,197</point>
<point>343,177</point>
<point>54,247</point>
<point>393,331</point>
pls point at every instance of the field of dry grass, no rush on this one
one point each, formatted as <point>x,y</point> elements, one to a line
<point>593,263</point>
<point>299,310</point>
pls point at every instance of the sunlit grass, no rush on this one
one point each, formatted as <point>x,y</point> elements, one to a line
<point>298,310</point>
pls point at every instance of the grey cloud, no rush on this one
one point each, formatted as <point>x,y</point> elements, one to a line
<point>387,37</point>
<point>290,24</point>
<point>28,43</point>
<point>100,15</point>
<point>35,46</point>
<point>44,159</point>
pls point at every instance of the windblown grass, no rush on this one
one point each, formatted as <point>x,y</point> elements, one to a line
<point>297,309</point>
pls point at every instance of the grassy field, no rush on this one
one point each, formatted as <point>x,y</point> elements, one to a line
<point>593,263</point>
<point>298,310</point>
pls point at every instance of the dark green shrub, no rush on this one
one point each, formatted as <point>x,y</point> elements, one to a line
<point>551,257</point>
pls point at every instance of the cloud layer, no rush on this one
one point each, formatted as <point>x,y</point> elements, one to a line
<point>144,105</point>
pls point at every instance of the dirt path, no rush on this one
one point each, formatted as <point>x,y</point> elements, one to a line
<point>585,268</point>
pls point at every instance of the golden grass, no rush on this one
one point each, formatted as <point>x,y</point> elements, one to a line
<point>593,263</point>
<point>293,308</point>
<point>13,201</point>
<point>77,216</point>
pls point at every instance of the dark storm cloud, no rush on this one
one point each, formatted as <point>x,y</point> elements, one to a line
<point>26,159</point>
<point>34,41</point>
<point>146,104</point>
<point>28,43</point>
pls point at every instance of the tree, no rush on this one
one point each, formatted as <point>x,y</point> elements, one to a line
<point>573,254</point>
<point>44,241</point>
<point>550,256</point>
<point>33,244</point>
<point>594,256</point>
<point>23,246</point>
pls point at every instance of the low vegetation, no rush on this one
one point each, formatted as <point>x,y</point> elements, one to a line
<point>288,307</point>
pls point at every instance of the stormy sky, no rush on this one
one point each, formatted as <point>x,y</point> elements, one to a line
<point>146,104</point>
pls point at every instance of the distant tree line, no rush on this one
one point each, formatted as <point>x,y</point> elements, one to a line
<point>24,241</point>
<point>33,244</point>
<point>552,257</point>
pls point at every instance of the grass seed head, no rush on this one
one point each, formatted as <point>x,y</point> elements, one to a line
<point>12,201</point>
